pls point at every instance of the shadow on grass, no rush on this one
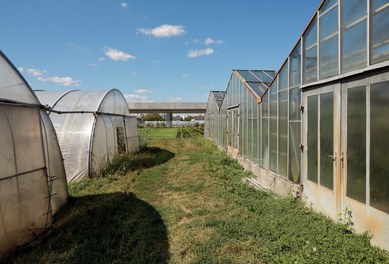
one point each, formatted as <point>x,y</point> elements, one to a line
<point>146,158</point>
<point>108,228</point>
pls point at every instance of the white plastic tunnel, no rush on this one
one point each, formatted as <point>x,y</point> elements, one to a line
<point>92,127</point>
<point>33,183</point>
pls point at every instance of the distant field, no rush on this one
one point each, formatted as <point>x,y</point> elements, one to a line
<point>162,133</point>
<point>183,201</point>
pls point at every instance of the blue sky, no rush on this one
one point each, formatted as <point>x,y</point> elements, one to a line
<point>151,50</point>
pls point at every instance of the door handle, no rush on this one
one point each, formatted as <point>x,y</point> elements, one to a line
<point>332,157</point>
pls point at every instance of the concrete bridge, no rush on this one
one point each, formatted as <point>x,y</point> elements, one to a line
<point>167,108</point>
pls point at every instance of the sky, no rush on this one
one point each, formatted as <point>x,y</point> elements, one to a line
<point>151,50</point>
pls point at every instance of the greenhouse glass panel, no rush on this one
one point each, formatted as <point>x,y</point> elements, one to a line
<point>295,67</point>
<point>354,41</point>
<point>265,105</point>
<point>379,145</point>
<point>265,142</point>
<point>379,46</point>
<point>312,148</point>
<point>326,139</point>
<point>255,140</point>
<point>273,145</point>
<point>329,44</point>
<point>229,138</point>
<point>249,127</point>
<point>327,5</point>
<point>294,152</point>
<point>273,100</point>
<point>294,104</point>
<point>255,131</point>
<point>236,128</point>
<point>283,134</point>
<point>247,76</point>
<point>257,87</point>
<point>246,121</point>
<point>263,76</point>
<point>259,145</point>
<point>356,143</point>
<point>283,79</point>
<point>310,53</point>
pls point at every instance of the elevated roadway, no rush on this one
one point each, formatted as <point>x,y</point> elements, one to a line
<point>167,108</point>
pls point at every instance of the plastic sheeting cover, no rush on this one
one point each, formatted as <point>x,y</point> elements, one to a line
<point>23,203</point>
<point>12,84</point>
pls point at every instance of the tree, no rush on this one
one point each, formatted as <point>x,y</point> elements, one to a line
<point>152,117</point>
<point>188,118</point>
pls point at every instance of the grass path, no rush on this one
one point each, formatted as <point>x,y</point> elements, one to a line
<point>183,201</point>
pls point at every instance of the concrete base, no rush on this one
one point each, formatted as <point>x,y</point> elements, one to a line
<point>270,180</point>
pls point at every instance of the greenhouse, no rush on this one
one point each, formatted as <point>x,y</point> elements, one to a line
<point>33,184</point>
<point>92,127</point>
<point>212,124</point>
<point>320,128</point>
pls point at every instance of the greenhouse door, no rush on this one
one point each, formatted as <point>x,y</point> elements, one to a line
<point>321,176</point>
<point>233,130</point>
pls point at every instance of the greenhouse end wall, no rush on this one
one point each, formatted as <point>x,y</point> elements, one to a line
<point>33,185</point>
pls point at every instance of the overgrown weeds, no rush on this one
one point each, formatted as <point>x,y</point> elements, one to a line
<point>122,164</point>
<point>187,132</point>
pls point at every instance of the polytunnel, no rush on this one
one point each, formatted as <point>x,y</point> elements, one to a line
<point>92,127</point>
<point>32,177</point>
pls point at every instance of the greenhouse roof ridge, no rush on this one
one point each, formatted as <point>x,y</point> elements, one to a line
<point>218,97</point>
<point>297,42</point>
<point>256,81</point>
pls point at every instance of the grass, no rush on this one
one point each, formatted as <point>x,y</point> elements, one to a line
<point>164,133</point>
<point>183,201</point>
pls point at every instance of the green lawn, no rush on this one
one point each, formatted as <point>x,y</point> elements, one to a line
<point>183,201</point>
<point>164,133</point>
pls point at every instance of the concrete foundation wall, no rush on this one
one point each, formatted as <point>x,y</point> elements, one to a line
<point>267,179</point>
<point>270,180</point>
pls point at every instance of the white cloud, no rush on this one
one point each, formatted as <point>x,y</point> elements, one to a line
<point>163,31</point>
<point>210,41</point>
<point>202,52</point>
<point>101,59</point>
<point>117,55</point>
<point>124,5</point>
<point>185,75</point>
<point>65,81</point>
<point>92,64</point>
<point>20,69</point>
<point>36,72</point>
<point>142,91</point>
<point>175,99</point>
<point>136,98</point>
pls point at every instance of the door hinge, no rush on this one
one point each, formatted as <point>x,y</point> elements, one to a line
<point>302,108</point>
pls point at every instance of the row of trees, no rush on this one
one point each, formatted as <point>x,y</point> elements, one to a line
<point>157,117</point>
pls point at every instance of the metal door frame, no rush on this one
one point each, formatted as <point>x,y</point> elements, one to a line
<point>335,208</point>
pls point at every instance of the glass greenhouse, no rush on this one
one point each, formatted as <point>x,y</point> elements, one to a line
<point>213,124</point>
<point>92,127</point>
<point>319,128</point>
<point>33,183</point>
